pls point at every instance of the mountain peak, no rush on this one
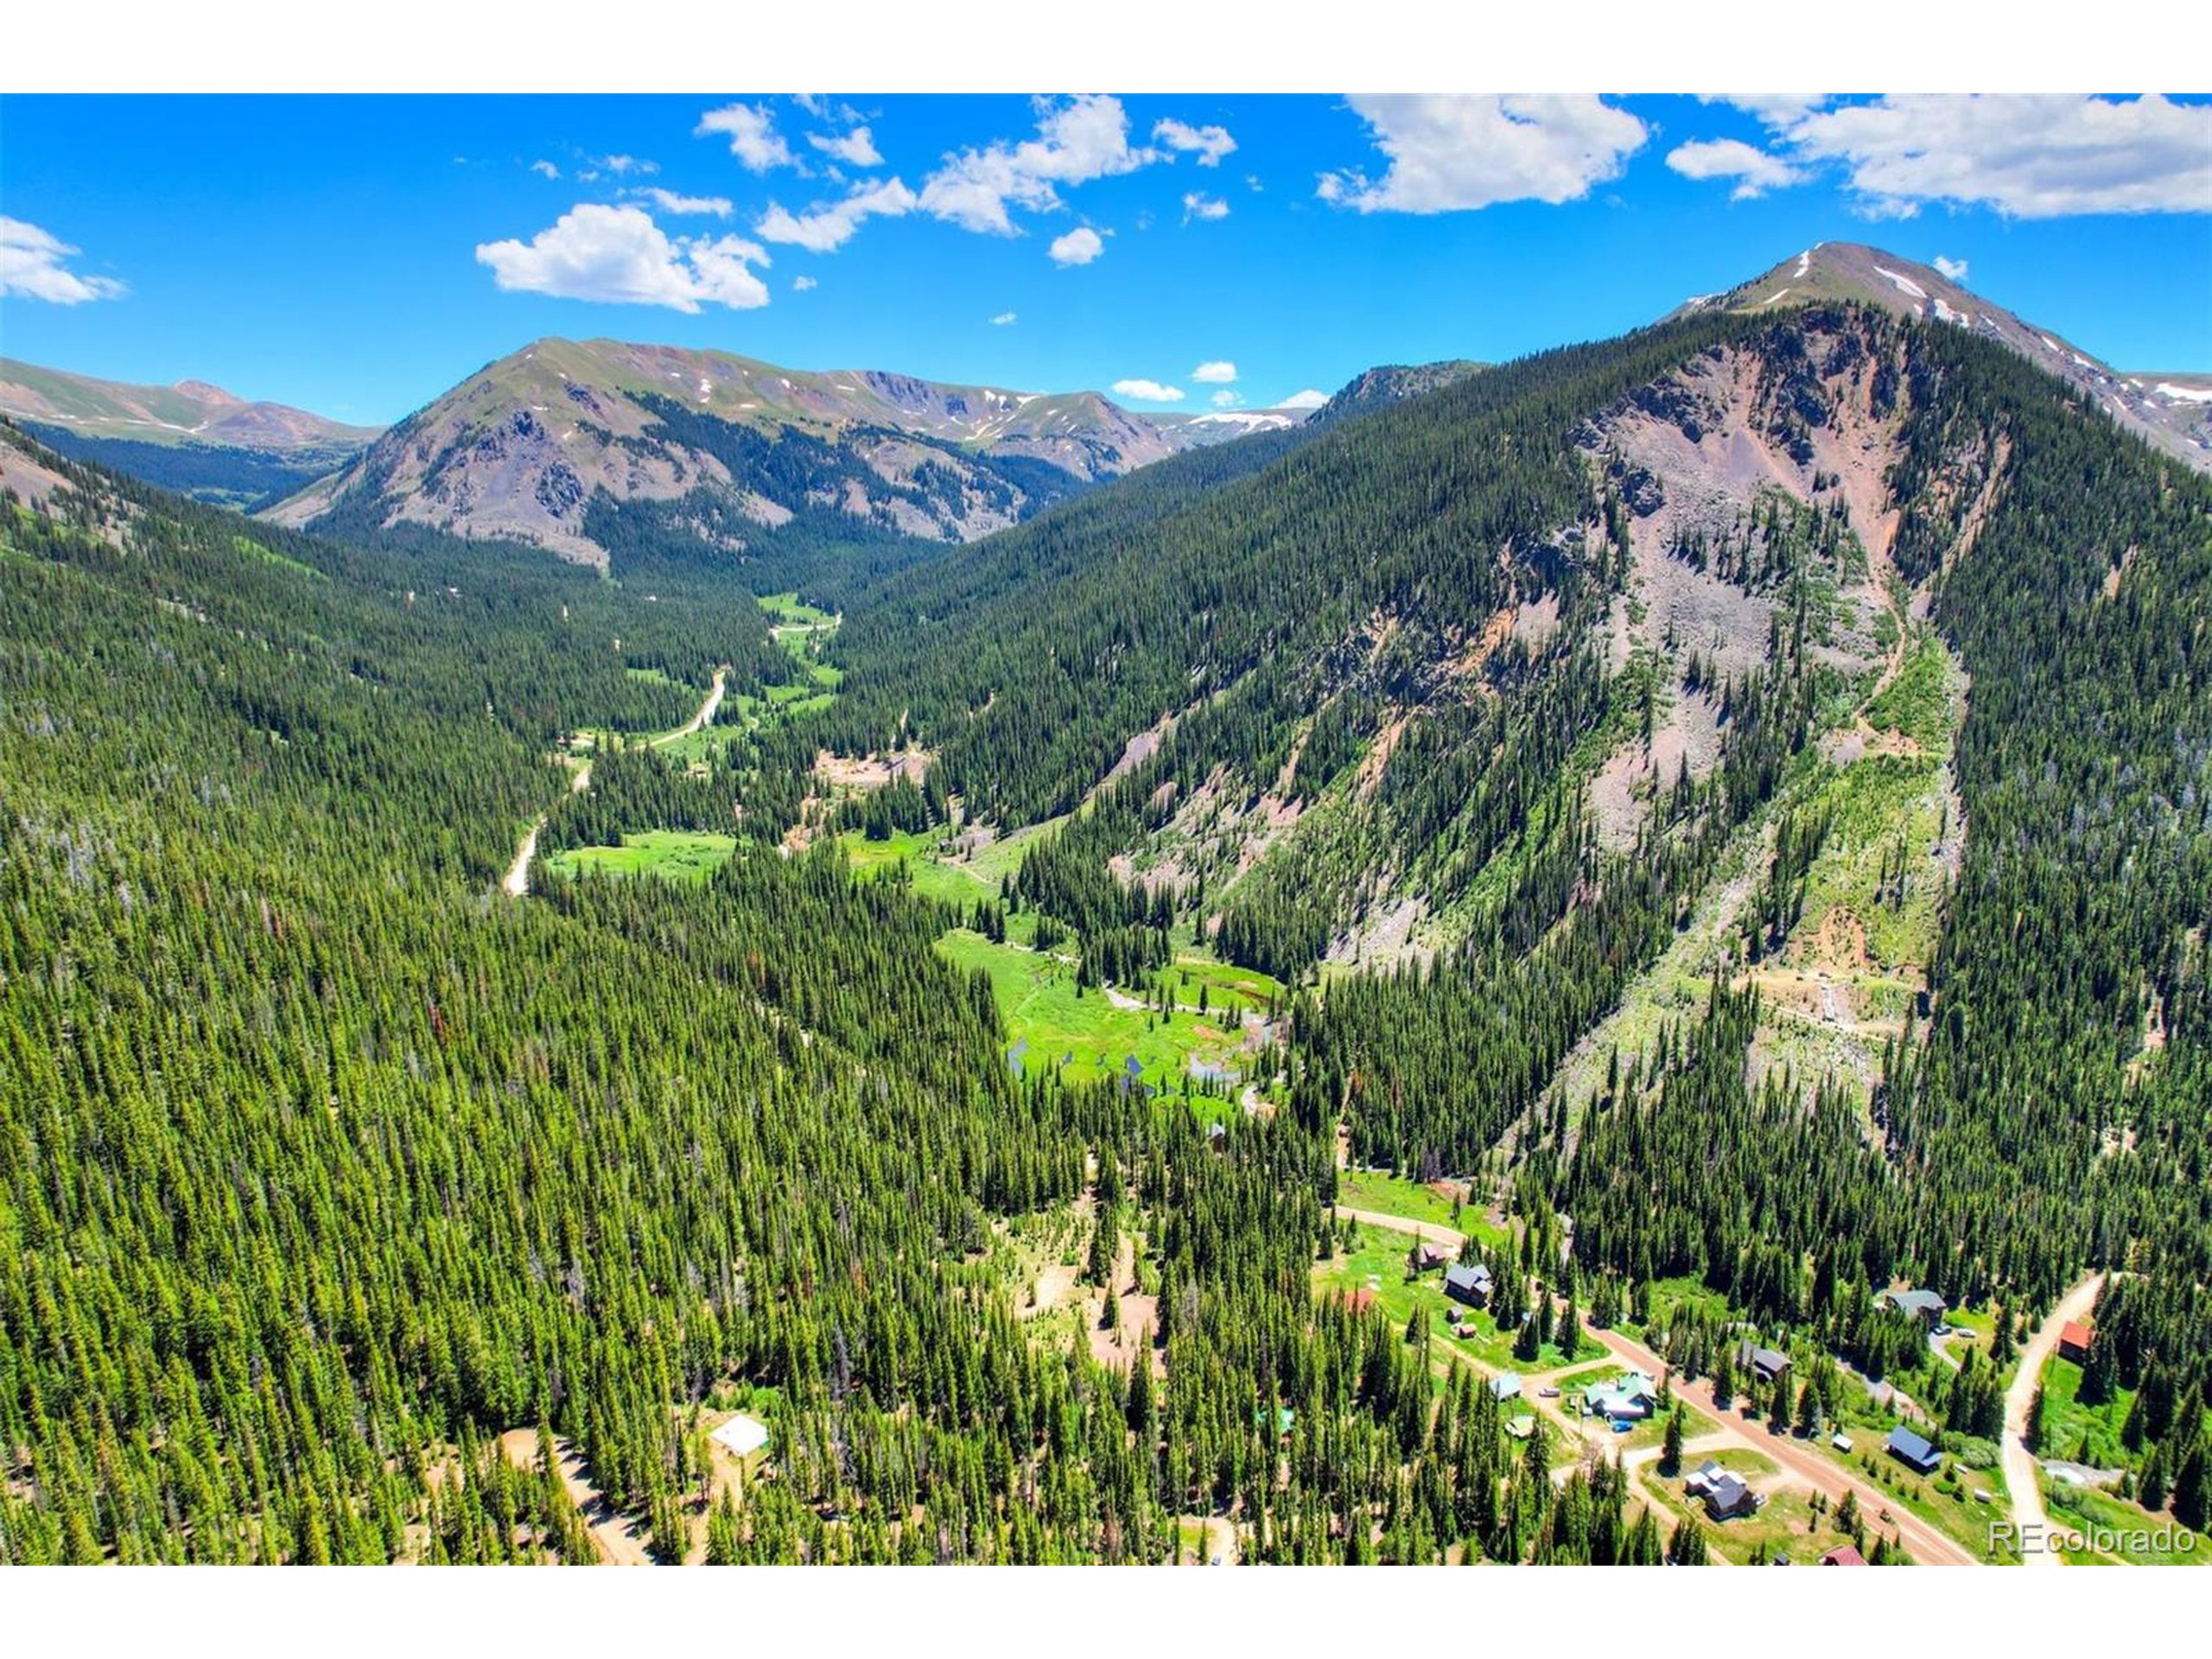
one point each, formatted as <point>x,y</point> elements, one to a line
<point>208,396</point>
<point>2167,415</point>
<point>520,449</point>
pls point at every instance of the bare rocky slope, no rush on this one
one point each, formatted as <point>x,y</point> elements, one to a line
<point>2173,412</point>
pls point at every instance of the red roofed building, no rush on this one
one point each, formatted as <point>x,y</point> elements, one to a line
<point>2074,1341</point>
<point>1361,1299</point>
<point>1843,1555</point>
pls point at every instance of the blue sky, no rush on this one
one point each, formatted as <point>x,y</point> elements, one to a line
<point>357,256</point>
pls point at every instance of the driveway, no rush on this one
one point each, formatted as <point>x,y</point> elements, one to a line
<point>2022,1477</point>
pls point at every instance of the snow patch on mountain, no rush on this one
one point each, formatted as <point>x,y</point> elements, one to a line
<point>1904,285</point>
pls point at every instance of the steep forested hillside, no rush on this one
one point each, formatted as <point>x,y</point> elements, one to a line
<point>1728,805</point>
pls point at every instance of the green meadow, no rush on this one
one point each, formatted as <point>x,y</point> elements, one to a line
<point>672,854</point>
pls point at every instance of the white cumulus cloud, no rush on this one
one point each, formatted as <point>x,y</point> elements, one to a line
<point>1450,153</point>
<point>1083,139</point>
<point>1148,391</point>
<point>2038,156</point>
<point>1776,109</point>
<point>826,226</point>
<point>1226,400</point>
<point>1953,269</point>
<point>800,285</point>
<point>618,255</point>
<point>31,267</point>
<point>669,202</point>
<point>1198,205</point>
<point>1004,320</point>
<point>1308,398</point>
<point>1755,171</point>
<point>751,133</point>
<point>1078,247</point>
<point>1212,144</point>
<point>1217,374</point>
<point>545,169</point>
<point>854,148</point>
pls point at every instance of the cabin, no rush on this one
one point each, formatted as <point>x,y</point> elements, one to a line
<point>1914,1451</point>
<point>1469,1282</point>
<point>1843,1555</point>
<point>1625,1398</point>
<point>2073,1340</point>
<point>1764,1364</point>
<point>1504,1386</point>
<point>1728,1496</point>
<point>1699,1480</point>
<point>1431,1257</point>
<point>1923,1304</point>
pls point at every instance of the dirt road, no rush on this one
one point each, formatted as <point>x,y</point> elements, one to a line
<point>516,882</point>
<point>621,1541</point>
<point>706,713</point>
<point>1922,1541</point>
<point>2021,1475</point>
<point>1434,1232</point>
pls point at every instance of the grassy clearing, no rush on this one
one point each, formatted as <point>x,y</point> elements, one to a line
<point>1653,1430</point>
<point>799,628</point>
<point>790,608</point>
<point>2080,1434</point>
<point>1004,853</point>
<point>1376,1261</point>
<point>913,857</point>
<point>672,854</point>
<point>254,549</point>
<point>1394,1195</point>
<point>1785,1525</point>
<point>1085,1036</point>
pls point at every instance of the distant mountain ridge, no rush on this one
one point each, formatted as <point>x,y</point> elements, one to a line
<point>191,411</point>
<point>193,437</point>
<point>2172,412</point>
<point>725,450</point>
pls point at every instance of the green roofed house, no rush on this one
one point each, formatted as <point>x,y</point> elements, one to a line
<point>1625,1398</point>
